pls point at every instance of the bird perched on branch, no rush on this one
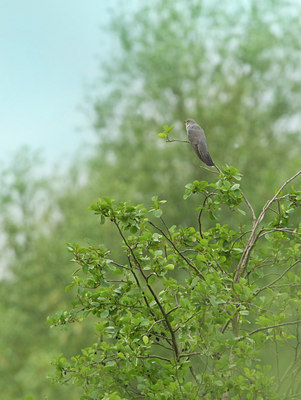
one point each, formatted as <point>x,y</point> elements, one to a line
<point>197,140</point>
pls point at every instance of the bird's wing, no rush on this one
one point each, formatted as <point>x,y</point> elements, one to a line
<point>197,139</point>
<point>204,154</point>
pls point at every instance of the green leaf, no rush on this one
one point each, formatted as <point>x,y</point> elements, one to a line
<point>145,339</point>
<point>69,287</point>
<point>241,211</point>
<point>151,280</point>
<point>121,355</point>
<point>158,213</point>
<point>235,187</point>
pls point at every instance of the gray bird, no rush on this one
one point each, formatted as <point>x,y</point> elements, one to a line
<point>197,140</point>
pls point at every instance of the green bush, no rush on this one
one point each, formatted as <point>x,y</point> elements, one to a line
<point>187,313</point>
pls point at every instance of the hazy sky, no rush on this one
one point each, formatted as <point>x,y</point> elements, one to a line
<point>49,51</point>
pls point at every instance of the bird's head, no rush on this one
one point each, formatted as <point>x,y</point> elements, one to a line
<point>189,122</point>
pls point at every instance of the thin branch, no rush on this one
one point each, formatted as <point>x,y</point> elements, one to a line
<point>270,230</point>
<point>168,324</point>
<point>173,309</point>
<point>267,205</point>
<point>250,208</point>
<point>153,324</point>
<point>226,325</point>
<point>176,140</point>
<point>139,285</point>
<point>254,236</point>
<point>188,319</point>
<point>265,328</point>
<point>277,279</point>
<point>154,356</point>
<point>219,171</point>
<point>196,353</point>
<point>162,345</point>
<point>178,251</point>
<point>286,196</point>
<point>287,285</point>
<point>238,238</point>
<point>166,227</point>
<point>207,169</point>
<point>195,377</point>
<point>162,319</point>
<point>119,265</point>
<point>201,212</point>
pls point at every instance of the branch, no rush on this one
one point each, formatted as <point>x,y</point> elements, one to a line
<point>254,236</point>
<point>176,140</point>
<point>162,319</point>
<point>277,279</point>
<point>154,356</point>
<point>219,171</point>
<point>270,230</point>
<point>196,353</point>
<point>138,284</point>
<point>119,265</point>
<point>168,324</point>
<point>250,208</point>
<point>269,203</point>
<point>209,170</point>
<point>274,326</point>
<point>201,212</point>
<point>178,251</point>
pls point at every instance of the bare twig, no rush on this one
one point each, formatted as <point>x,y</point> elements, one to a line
<point>250,208</point>
<point>196,353</point>
<point>154,356</point>
<point>277,279</point>
<point>176,140</point>
<point>208,169</point>
<point>270,230</point>
<point>119,265</point>
<point>139,285</point>
<point>166,227</point>
<point>201,212</point>
<point>219,171</point>
<point>254,235</point>
<point>153,324</point>
<point>274,326</point>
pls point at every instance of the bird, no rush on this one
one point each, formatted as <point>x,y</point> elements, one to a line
<point>197,139</point>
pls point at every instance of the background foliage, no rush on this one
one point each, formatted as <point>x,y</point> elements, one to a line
<point>233,69</point>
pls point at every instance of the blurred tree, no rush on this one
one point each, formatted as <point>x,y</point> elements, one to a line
<point>233,68</point>
<point>36,269</point>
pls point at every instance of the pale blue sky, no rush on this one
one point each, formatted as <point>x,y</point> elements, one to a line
<point>49,51</point>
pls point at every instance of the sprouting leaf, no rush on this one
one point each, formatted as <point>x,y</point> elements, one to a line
<point>158,213</point>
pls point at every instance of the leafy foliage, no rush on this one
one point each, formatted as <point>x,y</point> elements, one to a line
<point>185,313</point>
